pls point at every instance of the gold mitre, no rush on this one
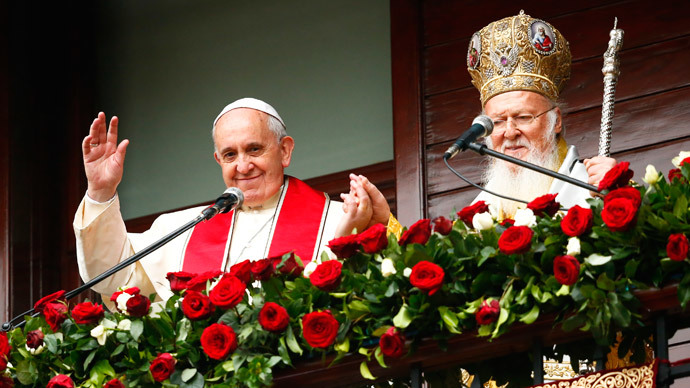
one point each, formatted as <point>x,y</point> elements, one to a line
<point>518,53</point>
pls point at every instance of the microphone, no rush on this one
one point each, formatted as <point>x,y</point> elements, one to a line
<point>482,126</point>
<point>230,199</point>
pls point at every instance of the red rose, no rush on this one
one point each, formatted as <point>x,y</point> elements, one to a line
<point>218,340</point>
<point>114,383</point>
<point>418,233</point>
<point>442,225</point>
<point>677,247</point>
<point>488,312</point>
<point>684,161</point>
<point>34,339</point>
<point>4,350</point>
<point>344,247</point>
<point>262,269</point>
<point>467,213</point>
<point>228,292</point>
<point>242,271</point>
<point>515,239</point>
<point>198,283</point>
<point>373,239</point>
<point>138,305</point>
<point>196,306</point>
<point>6,382</point>
<point>87,313</point>
<point>178,280</point>
<point>630,193</point>
<point>326,276</point>
<point>55,313</point>
<point>566,269</point>
<point>578,221</point>
<point>319,329</point>
<point>619,214</point>
<point>546,204</point>
<point>616,177</point>
<point>162,367</point>
<point>40,305</point>
<point>675,174</point>
<point>273,317</point>
<point>289,266</point>
<point>508,222</point>
<point>392,343</point>
<point>60,381</point>
<point>427,276</point>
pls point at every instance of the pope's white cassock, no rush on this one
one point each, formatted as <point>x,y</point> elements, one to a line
<point>103,241</point>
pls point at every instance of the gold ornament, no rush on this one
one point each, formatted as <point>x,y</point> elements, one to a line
<point>519,53</point>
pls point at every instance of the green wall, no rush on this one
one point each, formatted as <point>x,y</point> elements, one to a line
<point>167,68</point>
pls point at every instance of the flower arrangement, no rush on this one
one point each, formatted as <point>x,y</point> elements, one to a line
<point>378,297</point>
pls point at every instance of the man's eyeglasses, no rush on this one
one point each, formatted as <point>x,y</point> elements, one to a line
<point>522,119</point>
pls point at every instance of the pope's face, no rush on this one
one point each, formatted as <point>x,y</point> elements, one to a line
<point>249,154</point>
<point>519,140</point>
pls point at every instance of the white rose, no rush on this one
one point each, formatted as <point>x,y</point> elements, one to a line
<point>573,247</point>
<point>482,221</point>
<point>124,325</point>
<point>651,175</point>
<point>122,302</point>
<point>407,272</point>
<point>309,269</point>
<point>676,161</point>
<point>387,267</point>
<point>100,334</point>
<point>525,217</point>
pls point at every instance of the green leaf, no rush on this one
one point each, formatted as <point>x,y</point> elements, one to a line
<point>51,342</point>
<point>99,372</point>
<point>292,342</point>
<point>136,329</point>
<point>184,326</point>
<point>449,319</point>
<point>26,372</point>
<point>597,259</point>
<point>187,374</point>
<point>343,347</point>
<point>502,318</point>
<point>604,283</point>
<point>379,332</point>
<point>89,358</point>
<point>563,291</point>
<point>403,318</point>
<point>378,354</point>
<point>681,207</point>
<point>364,370</point>
<point>531,316</point>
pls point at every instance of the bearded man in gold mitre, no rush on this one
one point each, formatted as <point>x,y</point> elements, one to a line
<point>523,65</point>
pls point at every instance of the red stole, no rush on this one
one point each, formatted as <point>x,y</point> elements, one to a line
<point>301,215</point>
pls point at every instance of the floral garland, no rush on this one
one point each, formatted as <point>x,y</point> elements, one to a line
<point>378,298</point>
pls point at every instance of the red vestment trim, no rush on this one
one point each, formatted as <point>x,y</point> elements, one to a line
<point>298,227</point>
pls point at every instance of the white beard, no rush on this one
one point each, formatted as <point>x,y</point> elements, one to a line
<point>518,182</point>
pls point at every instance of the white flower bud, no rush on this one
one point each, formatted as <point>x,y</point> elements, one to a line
<point>33,351</point>
<point>525,217</point>
<point>100,334</point>
<point>124,325</point>
<point>573,248</point>
<point>387,267</point>
<point>309,269</point>
<point>122,302</point>
<point>482,221</point>
<point>407,272</point>
<point>651,175</point>
<point>676,161</point>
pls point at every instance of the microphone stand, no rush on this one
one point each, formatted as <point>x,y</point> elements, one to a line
<point>482,149</point>
<point>205,215</point>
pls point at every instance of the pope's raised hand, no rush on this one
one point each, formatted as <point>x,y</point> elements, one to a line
<point>103,158</point>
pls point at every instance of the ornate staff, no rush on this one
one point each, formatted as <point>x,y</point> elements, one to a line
<point>611,72</point>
